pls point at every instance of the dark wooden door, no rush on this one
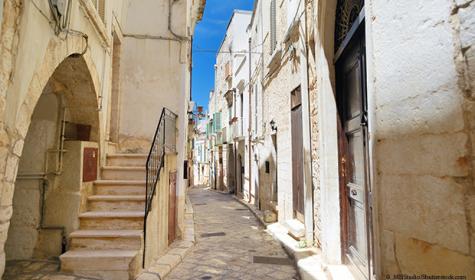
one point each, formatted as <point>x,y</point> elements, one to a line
<point>220,169</point>
<point>172,208</point>
<point>351,88</point>
<point>297,155</point>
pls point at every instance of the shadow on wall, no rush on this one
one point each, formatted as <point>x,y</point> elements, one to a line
<point>46,207</point>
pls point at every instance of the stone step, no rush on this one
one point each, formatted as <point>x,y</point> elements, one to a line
<point>106,239</point>
<point>104,264</point>
<point>123,173</point>
<point>107,220</point>
<point>119,187</point>
<point>116,202</point>
<point>127,159</point>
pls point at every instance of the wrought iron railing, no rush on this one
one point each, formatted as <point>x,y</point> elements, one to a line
<point>164,141</point>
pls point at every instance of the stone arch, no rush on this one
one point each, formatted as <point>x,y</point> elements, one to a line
<point>56,53</point>
<point>62,59</point>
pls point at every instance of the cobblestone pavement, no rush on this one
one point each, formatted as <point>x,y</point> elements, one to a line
<point>231,244</point>
<point>37,270</point>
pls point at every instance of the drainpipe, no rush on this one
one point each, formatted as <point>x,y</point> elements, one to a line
<point>170,7</point>
<point>250,125</point>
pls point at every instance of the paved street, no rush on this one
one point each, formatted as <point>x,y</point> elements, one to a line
<point>231,244</point>
<point>37,269</point>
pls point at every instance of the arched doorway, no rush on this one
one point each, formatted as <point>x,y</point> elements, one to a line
<point>47,196</point>
<point>351,99</point>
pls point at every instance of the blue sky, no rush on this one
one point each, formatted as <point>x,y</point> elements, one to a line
<point>208,36</point>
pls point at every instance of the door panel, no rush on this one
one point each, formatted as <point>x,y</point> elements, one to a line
<point>352,109</point>
<point>172,208</point>
<point>297,163</point>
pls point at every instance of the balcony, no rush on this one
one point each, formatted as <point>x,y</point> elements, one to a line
<point>235,128</point>
<point>229,96</point>
<point>227,71</point>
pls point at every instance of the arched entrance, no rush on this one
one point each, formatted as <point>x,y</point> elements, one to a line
<point>47,196</point>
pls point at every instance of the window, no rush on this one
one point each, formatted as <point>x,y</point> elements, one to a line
<point>101,8</point>
<point>273,25</point>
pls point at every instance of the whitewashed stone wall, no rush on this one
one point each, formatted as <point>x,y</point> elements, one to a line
<point>30,53</point>
<point>423,113</point>
<point>420,87</point>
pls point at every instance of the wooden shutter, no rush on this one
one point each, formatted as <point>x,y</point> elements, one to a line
<point>101,9</point>
<point>273,25</point>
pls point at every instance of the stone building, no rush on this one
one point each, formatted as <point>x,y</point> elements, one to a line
<point>200,154</point>
<point>404,189</point>
<point>82,86</point>
<point>361,128</point>
<point>228,109</point>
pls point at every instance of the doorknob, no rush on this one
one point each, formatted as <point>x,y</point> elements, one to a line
<point>353,192</point>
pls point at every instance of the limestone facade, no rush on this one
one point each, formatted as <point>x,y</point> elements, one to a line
<point>419,84</point>
<point>228,109</point>
<point>74,74</point>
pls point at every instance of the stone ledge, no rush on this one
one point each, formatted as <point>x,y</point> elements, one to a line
<point>309,261</point>
<point>177,252</point>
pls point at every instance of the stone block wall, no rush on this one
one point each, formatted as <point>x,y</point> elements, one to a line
<point>424,135</point>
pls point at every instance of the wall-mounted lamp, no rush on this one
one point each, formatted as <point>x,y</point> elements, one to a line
<point>272,125</point>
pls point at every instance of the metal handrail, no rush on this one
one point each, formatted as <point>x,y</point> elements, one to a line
<point>163,142</point>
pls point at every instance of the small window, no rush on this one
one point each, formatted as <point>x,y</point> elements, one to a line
<point>267,167</point>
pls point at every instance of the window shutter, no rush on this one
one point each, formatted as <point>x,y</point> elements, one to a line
<point>102,9</point>
<point>273,25</point>
<point>218,121</point>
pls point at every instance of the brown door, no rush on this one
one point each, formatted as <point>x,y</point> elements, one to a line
<point>297,155</point>
<point>172,208</point>
<point>274,170</point>
<point>351,90</point>
<point>220,169</point>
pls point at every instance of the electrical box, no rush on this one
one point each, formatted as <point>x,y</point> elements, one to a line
<point>89,169</point>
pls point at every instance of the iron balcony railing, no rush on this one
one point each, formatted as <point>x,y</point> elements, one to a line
<point>164,141</point>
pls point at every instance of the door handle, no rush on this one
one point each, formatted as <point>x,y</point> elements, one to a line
<point>353,192</point>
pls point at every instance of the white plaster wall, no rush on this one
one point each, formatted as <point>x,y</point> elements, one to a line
<point>154,71</point>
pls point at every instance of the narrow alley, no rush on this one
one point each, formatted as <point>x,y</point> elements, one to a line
<point>230,243</point>
<point>251,139</point>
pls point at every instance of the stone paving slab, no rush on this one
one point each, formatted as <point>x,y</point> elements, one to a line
<point>229,256</point>
<point>38,270</point>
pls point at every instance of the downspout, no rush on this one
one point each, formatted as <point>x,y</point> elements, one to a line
<point>250,125</point>
<point>170,29</point>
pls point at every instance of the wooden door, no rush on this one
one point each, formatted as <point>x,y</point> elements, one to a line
<point>172,208</point>
<point>220,169</point>
<point>297,155</point>
<point>274,169</point>
<point>351,89</point>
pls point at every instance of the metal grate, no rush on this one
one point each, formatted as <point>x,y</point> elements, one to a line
<point>346,14</point>
<point>212,234</point>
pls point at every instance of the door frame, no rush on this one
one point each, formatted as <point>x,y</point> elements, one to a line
<point>298,193</point>
<point>356,35</point>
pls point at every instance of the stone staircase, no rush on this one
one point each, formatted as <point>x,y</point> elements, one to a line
<point>109,241</point>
